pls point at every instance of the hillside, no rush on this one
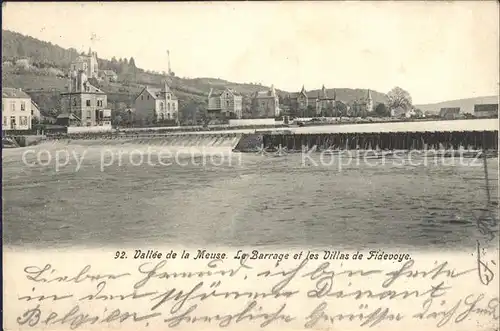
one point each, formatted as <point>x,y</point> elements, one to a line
<point>44,68</point>
<point>466,105</point>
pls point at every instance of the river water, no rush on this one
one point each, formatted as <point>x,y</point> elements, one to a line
<point>210,196</point>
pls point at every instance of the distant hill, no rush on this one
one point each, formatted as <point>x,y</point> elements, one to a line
<point>466,105</point>
<point>45,76</point>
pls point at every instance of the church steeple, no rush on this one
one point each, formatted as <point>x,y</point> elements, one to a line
<point>166,88</point>
<point>334,94</point>
<point>324,93</point>
<point>369,102</point>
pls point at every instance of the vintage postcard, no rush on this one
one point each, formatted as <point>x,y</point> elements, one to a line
<point>250,165</point>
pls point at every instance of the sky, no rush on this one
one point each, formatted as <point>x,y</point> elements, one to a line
<point>437,51</point>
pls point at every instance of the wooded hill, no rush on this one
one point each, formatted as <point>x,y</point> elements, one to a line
<point>42,73</point>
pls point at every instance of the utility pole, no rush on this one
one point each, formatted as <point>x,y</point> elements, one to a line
<point>169,68</point>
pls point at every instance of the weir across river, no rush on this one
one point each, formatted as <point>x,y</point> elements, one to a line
<point>475,140</point>
<point>479,134</point>
<point>449,135</point>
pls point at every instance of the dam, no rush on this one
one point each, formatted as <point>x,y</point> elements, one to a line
<point>478,134</point>
<point>454,140</point>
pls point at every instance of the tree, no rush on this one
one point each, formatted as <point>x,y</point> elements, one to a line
<point>310,111</point>
<point>329,111</point>
<point>399,98</point>
<point>118,120</point>
<point>419,113</point>
<point>114,64</point>
<point>340,109</point>
<point>381,110</point>
<point>20,50</point>
<point>131,62</point>
<point>188,111</point>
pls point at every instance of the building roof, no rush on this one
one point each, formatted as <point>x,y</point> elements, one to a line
<point>449,111</point>
<point>70,116</point>
<point>81,58</point>
<point>157,93</point>
<point>493,107</point>
<point>310,95</point>
<point>9,92</point>
<point>264,94</point>
<point>219,93</point>
<point>270,93</point>
<point>46,114</point>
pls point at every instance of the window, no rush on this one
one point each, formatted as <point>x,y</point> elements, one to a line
<point>5,120</point>
<point>12,122</point>
<point>168,96</point>
<point>148,97</point>
<point>13,106</point>
<point>168,116</point>
<point>173,106</point>
<point>99,103</point>
<point>168,107</point>
<point>74,102</point>
<point>142,97</point>
<point>23,106</point>
<point>23,120</point>
<point>161,105</point>
<point>89,114</point>
<point>85,66</point>
<point>88,103</point>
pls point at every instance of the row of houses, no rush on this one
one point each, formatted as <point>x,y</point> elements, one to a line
<point>266,104</point>
<point>84,104</point>
<point>20,112</point>
<point>480,111</point>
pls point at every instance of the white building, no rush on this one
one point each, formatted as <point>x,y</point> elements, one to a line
<point>86,63</point>
<point>16,109</point>
<point>159,103</point>
<point>228,103</point>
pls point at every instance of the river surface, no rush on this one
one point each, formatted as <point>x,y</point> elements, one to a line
<point>237,199</point>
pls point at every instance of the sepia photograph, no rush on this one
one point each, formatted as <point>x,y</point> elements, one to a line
<point>322,165</point>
